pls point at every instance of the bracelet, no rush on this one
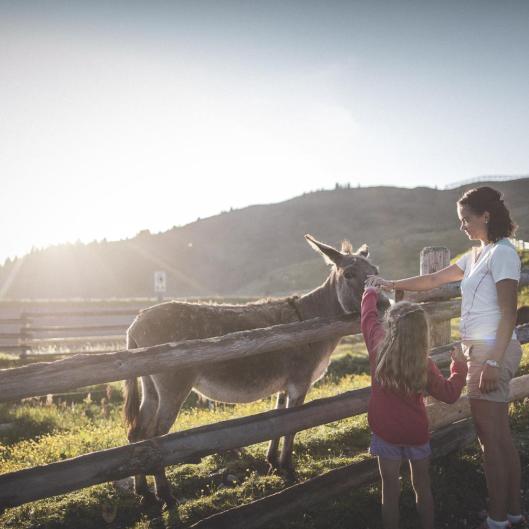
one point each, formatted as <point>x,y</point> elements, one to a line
<point>492,363</point>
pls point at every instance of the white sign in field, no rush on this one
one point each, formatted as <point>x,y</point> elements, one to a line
<point>160,281</point>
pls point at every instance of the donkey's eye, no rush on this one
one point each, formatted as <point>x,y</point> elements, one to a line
<point>348,274</point>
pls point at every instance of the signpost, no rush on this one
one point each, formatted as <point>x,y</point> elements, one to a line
<point>160,284</point>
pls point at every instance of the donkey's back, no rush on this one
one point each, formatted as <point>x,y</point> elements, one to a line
<point>175,320</point>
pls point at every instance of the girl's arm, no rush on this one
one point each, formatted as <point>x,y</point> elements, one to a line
<point>426,282</point>
<point>446,389</point>
<point>507,290</point>
<point>372,329</point>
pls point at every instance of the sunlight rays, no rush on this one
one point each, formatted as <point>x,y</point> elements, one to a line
<point>200,288</point>
<point>4,287</point>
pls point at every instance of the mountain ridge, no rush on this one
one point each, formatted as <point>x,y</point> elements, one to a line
<point>260,249</point>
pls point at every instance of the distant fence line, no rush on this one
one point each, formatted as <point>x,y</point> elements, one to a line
<point>67,332</point>
<point>454,185</point>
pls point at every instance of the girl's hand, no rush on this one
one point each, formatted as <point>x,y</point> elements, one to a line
<point>378,282</point>
<point>457,353</point>
<point>489,378</point>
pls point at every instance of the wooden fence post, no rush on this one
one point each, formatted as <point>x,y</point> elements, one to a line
<point>432,259</point>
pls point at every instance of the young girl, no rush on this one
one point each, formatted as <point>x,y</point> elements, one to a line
<point>401,372</point>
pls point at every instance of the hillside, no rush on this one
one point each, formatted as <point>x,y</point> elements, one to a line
<point>258,250</point>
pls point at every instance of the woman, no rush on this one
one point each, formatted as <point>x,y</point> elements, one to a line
<point>489,277</point>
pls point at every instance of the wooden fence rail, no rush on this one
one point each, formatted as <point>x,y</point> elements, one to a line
<point>87,369</point>
<point>148,456</point>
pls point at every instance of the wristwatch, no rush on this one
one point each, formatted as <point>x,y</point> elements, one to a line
<point>492,363</point>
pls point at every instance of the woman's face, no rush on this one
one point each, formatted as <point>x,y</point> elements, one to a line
<point>474,225</point>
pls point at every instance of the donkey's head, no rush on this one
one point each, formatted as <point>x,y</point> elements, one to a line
<point>349,270</point>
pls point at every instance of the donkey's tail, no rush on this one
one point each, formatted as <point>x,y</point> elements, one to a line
<point>131,408</point>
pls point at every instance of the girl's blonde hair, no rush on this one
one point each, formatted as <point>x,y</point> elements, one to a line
<point>402,356</point>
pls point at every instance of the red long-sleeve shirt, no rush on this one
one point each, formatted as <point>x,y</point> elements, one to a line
<point>394,416</point>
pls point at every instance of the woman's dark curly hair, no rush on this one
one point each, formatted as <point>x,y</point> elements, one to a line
<point>481,199</point>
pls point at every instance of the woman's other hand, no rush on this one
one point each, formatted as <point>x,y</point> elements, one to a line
<point>378,282</point>
<point>489,378</point>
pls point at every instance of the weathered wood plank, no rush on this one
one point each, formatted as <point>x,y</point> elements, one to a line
<point>442,310</point>
<point>86,369</point>
<point>146,456</point>
<point>307,495</point>
<point>446,292</point>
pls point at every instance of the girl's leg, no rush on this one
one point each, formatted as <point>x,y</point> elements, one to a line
<point>501,461</point>
<point>420,478</point>
<point>390,473</point>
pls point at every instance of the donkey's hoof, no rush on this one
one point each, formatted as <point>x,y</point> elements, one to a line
<point>289,475</point>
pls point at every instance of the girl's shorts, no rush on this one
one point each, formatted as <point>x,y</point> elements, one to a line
<point>476,352</point>
<point>386,450</point>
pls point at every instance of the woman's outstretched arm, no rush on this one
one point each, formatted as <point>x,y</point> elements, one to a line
<point>426,282</point>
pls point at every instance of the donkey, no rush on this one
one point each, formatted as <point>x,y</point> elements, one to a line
<point>288,373</point>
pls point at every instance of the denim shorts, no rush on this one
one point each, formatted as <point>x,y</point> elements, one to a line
<point>386,450</point>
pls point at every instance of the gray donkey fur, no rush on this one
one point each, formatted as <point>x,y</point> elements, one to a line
<point>290,374</point>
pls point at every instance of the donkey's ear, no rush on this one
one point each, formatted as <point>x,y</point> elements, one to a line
<point>330,254</point>
<point>363,251</point>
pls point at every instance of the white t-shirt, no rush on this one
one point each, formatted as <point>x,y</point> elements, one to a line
<point>480,312</point>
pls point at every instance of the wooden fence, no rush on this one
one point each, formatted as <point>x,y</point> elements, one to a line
<point>146,457</point>
<point>64,331</point>
<point>54,328</point>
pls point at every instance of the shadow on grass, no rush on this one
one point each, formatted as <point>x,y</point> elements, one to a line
<point>21,427</point>
<point>347,364</point>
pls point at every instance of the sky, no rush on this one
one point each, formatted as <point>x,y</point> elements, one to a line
<point>117,117</point>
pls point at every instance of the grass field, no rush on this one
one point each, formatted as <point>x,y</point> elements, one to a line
<point>47,432</point>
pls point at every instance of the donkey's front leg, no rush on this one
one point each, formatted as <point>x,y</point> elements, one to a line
<point>271,454</point>
<point>296,397</point>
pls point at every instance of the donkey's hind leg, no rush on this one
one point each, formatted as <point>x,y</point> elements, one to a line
<point>271,454</point>
<point>296,397</point>
<point>146,418</point>
<point>172,392</point>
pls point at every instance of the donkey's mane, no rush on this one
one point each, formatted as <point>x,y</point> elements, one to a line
<point>347,247</point>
